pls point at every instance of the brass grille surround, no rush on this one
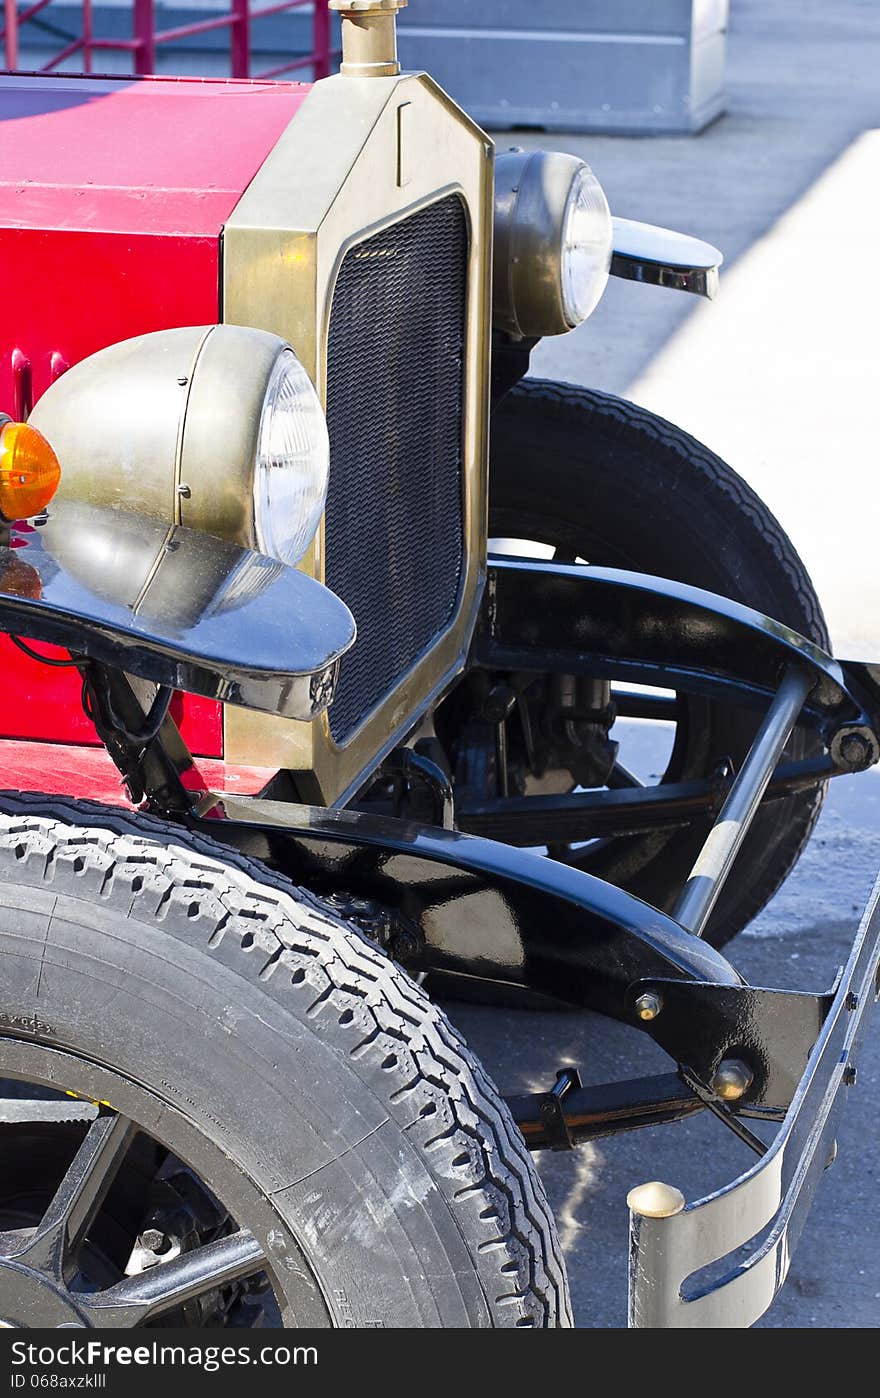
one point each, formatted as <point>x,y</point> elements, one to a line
<point>361,157</point>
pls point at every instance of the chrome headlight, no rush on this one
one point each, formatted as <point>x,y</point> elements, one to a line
<point>214,427</point>
<point>553,242</point>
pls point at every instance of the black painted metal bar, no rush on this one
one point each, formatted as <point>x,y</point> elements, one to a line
<point>590,815</point>
<point>634,703</point>
<point>605,1109</point>
<point>138,1299</point>
<point>631,628</point>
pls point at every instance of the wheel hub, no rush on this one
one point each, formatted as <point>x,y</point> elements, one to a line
<point>33,1300</point>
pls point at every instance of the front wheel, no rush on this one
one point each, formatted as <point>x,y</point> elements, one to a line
<point>224,1106</point>
<point>581,476</point>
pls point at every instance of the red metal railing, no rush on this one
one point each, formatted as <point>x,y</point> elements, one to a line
<point>146,38</point>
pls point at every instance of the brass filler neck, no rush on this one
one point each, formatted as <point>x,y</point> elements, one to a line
<point>369,37</point>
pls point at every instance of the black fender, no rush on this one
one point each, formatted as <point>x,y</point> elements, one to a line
<point>481,909</point>
<point>175,606</point>
<point>474,909</point>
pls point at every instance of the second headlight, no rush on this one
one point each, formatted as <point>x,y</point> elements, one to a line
<point>553,237</point>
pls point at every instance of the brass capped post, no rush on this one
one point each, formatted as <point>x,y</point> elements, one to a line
<point>656,1200</point>
<point>369,37</point>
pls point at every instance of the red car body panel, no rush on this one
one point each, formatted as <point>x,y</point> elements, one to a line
<point>68,770</point>
<point>113,196</point>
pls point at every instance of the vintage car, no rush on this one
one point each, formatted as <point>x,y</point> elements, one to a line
<point>327,695</point>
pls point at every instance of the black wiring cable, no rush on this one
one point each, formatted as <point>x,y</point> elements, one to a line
<point>152,722</point>
<point>44,659</point>
<point>86,699</point>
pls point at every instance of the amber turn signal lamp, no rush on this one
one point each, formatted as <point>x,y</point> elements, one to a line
<point>29,471</point>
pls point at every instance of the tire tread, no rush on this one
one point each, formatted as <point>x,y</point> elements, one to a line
<point>355,997</point>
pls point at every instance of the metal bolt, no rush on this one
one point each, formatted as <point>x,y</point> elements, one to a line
<point>184,491</point>
<point>850,1074</point>
<point>852,1001</point>
<point>732,1079</point>
<point>499,703</point>
<point>854,748</point>
<point>154,1240</point>
<point>648,1005</point>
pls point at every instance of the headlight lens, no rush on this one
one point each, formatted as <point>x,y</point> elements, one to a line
<point>586,247</point>
<point>292,463</point>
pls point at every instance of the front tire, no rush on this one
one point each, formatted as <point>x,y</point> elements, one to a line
<point>310,1085</point>
<point>604,481</point>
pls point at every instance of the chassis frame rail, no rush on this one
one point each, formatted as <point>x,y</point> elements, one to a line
<point>633,628</point>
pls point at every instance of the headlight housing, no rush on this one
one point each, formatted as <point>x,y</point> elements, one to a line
<point>553,243</point>
<point>214,427</point>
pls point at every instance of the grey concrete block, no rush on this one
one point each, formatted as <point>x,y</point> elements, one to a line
<point>634,66</point>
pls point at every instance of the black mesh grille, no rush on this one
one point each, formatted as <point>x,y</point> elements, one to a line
<point>395,401</point>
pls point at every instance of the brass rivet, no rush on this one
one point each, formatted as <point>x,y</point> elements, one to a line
<point>648,1005</point>
<point>732,1079</point>
<point>656,1200</point>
